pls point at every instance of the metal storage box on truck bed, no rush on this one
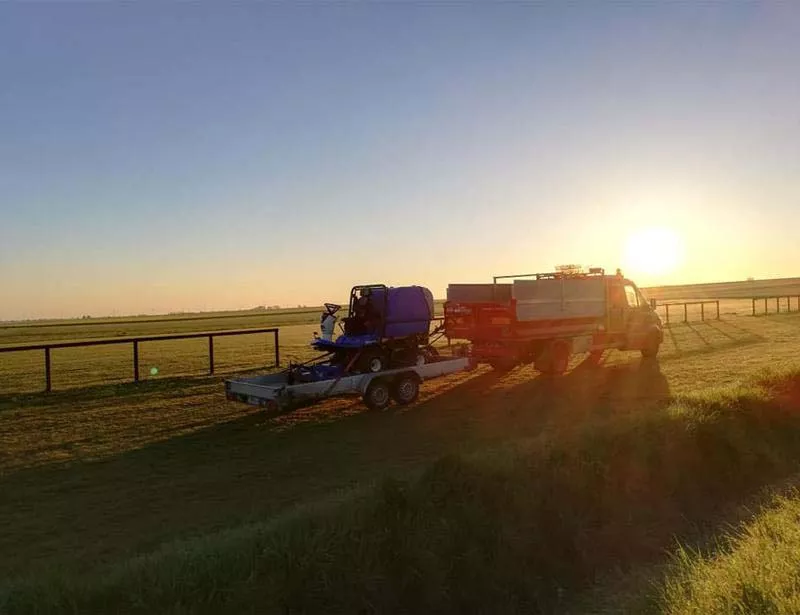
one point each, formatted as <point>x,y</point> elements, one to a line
<point>559,298</point>
<point>479,293</point>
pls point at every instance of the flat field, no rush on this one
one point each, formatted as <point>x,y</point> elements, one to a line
<point>80,367</point>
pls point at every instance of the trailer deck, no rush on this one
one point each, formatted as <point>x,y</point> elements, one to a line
<point>274,392</point>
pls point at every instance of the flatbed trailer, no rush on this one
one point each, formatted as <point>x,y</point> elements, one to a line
<point>274,391</point>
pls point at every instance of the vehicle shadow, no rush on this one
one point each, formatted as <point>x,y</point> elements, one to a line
<point>83,513</point>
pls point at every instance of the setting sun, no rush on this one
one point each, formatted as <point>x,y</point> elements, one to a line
<point>653,251</point>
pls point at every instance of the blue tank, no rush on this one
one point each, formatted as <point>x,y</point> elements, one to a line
<point>408,310</point>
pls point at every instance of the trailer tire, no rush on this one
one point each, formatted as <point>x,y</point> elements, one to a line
<point>378,395</point>
<point>405,389</point>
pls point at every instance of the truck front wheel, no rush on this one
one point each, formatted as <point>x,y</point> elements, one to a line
<point>651,348</point>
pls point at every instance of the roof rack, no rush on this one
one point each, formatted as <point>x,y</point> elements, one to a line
<point>555,275</point>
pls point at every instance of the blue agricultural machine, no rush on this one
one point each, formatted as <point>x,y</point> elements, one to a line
<point>385,328</point>
<point>384,351</point>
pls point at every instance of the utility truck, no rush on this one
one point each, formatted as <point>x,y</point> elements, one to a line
<point>545,318</point>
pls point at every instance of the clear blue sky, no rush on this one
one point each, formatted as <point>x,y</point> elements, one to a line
<point>158,157</point>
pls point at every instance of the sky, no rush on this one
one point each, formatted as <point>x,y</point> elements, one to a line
<point>159,157</point>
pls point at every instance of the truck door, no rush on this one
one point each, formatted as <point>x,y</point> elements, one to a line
<point>637,317</point>
<point>617,306</point>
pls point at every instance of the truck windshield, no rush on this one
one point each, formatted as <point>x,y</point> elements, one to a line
<point>631,296</point>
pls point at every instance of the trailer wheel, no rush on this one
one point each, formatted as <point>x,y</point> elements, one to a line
<point>405,389</point>
<point>377,395</point>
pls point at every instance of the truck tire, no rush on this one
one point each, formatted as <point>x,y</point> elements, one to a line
<point>377,396</point>
<point>502,365</point>
<point>651,348</point>
<point>405,389</point>
<point>557,362</point>
<point>595,357</point>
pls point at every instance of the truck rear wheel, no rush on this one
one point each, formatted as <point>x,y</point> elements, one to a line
<point>556,362</point>
<point>405,389</point>
<point>377,395</point>
<point>595,356</point>
<point>502,365</point>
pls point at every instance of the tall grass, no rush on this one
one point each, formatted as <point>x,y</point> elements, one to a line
<point>519,531</point>
<point>754,570</point>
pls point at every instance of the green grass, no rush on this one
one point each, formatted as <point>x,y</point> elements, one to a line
<point>112,483</point>
<point>523,529</point>
<point>752,570</point>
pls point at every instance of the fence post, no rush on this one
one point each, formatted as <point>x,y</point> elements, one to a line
<point>136,360</point>
<point>685,313</point>
<point>667,306</point>
<point>778,305</point>
<point>211,355</point>
<point>717,309</point>
<point>754,306</point>
<point>703,312</point>
<point>277,349</point>
<point>48,383</point>
<point>766,309</point>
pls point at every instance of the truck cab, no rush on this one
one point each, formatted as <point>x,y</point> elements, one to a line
<point>632,317</point>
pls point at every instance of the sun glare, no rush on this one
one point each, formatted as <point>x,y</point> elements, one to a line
<point>654,251</point>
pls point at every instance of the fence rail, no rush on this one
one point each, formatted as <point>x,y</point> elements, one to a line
<point>686,304</point>
<point>777,303</point>
<point>135,341</point>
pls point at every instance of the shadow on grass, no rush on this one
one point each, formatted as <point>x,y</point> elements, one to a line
<point>703,338</point>
<point>710,349</point>
<point>251,467</point>
<point>516,533</point>
<point>143,388</point>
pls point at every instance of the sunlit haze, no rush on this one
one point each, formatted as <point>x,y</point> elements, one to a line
<point>185,156</point>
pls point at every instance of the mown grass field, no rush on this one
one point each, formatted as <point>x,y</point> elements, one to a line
<point>780,287</point>
<point>492,492</point>
<point>80,367</point>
